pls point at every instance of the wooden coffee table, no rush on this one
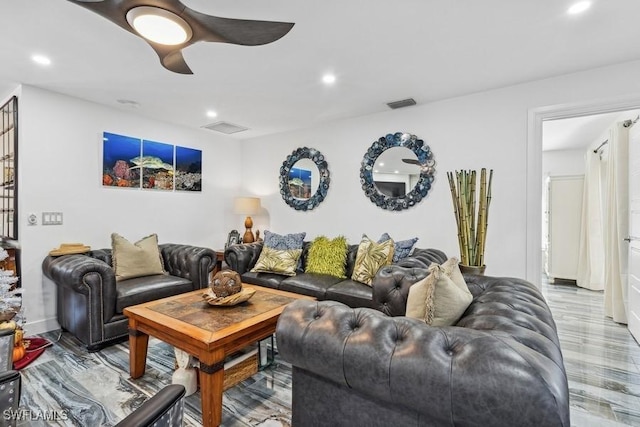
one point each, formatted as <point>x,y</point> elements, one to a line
<point>209,333</point>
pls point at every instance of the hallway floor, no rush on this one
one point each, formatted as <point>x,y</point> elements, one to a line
<point>601,357</point>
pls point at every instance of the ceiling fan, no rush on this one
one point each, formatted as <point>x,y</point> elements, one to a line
<point>169,26</point>
<point>412,161</point>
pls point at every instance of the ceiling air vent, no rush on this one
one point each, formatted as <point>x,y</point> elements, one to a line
<point>225,127</point>
<point>402,103</point>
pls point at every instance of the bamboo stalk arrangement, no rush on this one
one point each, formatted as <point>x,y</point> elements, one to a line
<point>471,217</point>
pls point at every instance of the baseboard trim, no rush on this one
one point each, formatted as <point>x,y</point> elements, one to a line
<point>41,326</point>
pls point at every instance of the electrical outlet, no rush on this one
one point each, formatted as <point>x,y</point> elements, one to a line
<point>32,219</point>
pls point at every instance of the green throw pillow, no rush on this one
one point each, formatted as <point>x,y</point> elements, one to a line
<point>328,256</point>
<point>279,261</point>
<point>370,258</point>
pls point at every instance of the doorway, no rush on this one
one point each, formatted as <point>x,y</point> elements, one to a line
<point>536,116</point>
<point>570,146</point>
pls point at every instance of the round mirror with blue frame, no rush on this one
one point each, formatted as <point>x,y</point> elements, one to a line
<point>424,176</point>
<point>304,184</point>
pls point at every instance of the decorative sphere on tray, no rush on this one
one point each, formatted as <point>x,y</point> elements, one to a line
<point>225,283</point>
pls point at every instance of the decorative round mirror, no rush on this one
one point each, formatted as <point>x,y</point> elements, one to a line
<point>397,171</point>
<point>304,179</point>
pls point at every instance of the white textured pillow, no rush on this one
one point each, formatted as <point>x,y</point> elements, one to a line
<point>136,259</point>
<point>440,298</point>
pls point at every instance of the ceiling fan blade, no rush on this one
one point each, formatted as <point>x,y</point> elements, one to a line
<point>412,162</point>
<point>237,31</point>
<point>171,58</point>
<point>205,27</point>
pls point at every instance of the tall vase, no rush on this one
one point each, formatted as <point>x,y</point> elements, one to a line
<point>472,269</point>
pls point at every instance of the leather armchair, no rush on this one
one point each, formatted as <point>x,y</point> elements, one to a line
<point>89,303</point>
<point>165,409</point>
<point>500,365</point>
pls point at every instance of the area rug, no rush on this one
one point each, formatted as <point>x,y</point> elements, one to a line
<point>35,347</point>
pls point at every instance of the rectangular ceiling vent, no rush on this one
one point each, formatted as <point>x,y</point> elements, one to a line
<point>401,104</point>
<point>225,127</point>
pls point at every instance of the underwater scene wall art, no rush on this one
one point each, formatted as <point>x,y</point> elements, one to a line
<point>118,153</point>
<point>156,163</point>
<point>188,174</point>
<point>129,162</point>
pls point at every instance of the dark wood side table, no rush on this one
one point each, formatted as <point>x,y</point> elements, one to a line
<point>219,259</point>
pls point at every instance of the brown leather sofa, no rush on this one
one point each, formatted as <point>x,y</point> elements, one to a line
<point>243,257</point>
<point>90,303</point>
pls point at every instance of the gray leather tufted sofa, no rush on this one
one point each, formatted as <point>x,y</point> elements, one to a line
<point>243,257</point>
<point>90,302</point>
<point>500,365</point>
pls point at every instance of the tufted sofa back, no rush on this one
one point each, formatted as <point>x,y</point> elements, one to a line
<point>178,260</point>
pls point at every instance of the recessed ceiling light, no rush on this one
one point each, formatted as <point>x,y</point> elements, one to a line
<point>212,114</point>
<point>396,171</point>
<point>159,25</point>
<point>328,79</point>
<point>41,60</point>
<point>579,7</point>
<point>381,164</point>
<point>376,170</point>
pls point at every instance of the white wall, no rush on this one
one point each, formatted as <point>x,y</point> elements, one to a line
<point>60,169</point>
<point>563,162</point>
<point>488,129</point>
<point>60,164</point>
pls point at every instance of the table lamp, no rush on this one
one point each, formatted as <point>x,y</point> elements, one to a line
<point>247,206</point>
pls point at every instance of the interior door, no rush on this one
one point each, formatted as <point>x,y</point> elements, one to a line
<point>633,314</point>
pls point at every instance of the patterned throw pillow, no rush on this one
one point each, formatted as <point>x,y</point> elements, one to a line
<point>402,248</point>
<point>138,259</point>
<point>277,261</point>
<point>287,241</point>
<point>328,256</point>
<point>440,298</point>
<point>370,258</point>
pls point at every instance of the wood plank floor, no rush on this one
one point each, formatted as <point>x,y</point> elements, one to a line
<point>94,389</point>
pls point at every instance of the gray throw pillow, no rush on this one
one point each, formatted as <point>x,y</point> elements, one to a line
<point>401,249</point>
<point>284,242</point>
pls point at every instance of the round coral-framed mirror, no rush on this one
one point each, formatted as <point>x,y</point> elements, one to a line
<point>397,171</point>
<point>304,179</point>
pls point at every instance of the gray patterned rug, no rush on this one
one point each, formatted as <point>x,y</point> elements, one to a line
<point>68,386</point>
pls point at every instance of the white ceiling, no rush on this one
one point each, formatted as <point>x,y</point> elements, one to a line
<point>580,132</point>
<point>380,51</point>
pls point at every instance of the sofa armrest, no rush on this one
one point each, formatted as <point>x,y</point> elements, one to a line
<point>191,262</point>
<point>166,408</point>
<point>83,274</point>
<point>391,288</point>
<point>446,375</point>
<point>10,385</point>
<point>243,257</point>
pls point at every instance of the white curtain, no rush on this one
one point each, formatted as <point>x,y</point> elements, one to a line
<point>602,262</point>
<point>616,224</point>
<point>591,255</point>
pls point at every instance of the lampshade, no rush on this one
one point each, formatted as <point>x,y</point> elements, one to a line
<point>246,205</point>
<point>159,25</point>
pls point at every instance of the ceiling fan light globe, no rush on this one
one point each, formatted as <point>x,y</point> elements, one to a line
<point>159,25</point>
